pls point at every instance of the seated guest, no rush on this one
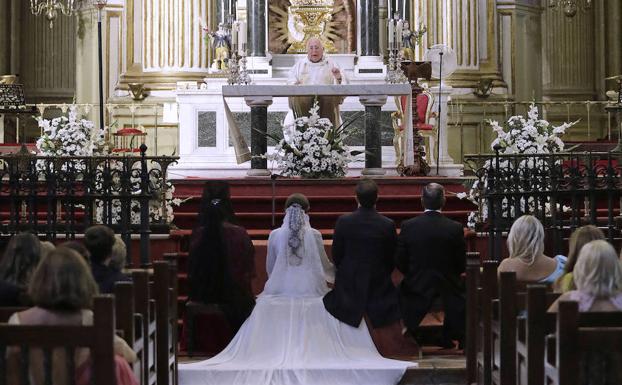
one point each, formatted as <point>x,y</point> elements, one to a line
<point>20,258</point>
<point>216,189</point>
<point>99,241</point>
<point>578,239</point>
<point>222,264</point>
<point>80,248</point>
<point>527,259</point>
<point>598,278</point>
<point>62,290</point>
<point>431,253</point>
<point>118,255</point>
<point>46,248</point>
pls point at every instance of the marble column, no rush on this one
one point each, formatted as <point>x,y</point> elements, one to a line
<point>5,36</point>
<point>256,31</point>
<point>259,140</point>
<point>373,147</point>
<point>369,28</point>
<point>446,165</point>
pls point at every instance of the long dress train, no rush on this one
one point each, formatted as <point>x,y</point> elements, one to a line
<point>290,339</point>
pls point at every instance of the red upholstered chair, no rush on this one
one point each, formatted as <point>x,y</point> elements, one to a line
<point>426,128</point>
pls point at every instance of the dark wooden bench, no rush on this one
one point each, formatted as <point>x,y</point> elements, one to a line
<point>486,292</point>
<point>7,312</point>
<point>576,334</point>
<point>129,323</point>
<point>472,283</point>
<point>165,294</point>
<point>98,338</point>
<point>531,330</point>
<point>145,306</point>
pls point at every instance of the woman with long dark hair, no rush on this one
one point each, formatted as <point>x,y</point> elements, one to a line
<point>216,189</point>
<point>221,264</point>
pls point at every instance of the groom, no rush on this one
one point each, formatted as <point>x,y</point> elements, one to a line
<point>363,250</point>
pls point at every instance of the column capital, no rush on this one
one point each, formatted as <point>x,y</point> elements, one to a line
<point>373,100</point>
<point>258,101</point>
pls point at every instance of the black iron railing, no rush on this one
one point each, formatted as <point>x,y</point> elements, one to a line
<point>64,195</point>
<point>564,190</point>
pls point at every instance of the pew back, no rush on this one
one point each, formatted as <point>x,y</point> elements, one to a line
<point>574,338</point>
<point>26,338</point>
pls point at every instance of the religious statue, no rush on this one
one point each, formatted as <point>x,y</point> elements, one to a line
<point>410,40</point>
<point>221,41</point>
<point>316,68</point>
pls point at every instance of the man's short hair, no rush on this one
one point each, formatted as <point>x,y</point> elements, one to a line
<point>297,198</point>
<point>99,240</point>
<point>433,197</point>
<point>367,192</point>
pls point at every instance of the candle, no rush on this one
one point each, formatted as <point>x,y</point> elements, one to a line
<point>391,33</point>
<point>389,14</point>
<point>398,33</point>
<point>234,36</point>
<point>242,36</point>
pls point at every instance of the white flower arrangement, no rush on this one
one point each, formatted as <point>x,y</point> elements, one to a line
<point>70,136</point>
<point>313,148</point>
<point>73,136</point>
<point>529,135</point>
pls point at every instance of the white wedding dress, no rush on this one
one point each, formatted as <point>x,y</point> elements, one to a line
<point>290,339</point>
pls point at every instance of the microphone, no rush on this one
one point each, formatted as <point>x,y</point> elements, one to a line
<point>273,182</point>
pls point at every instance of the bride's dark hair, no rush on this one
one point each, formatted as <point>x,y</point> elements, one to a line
<point>209,273</point>
<point>298,198</point>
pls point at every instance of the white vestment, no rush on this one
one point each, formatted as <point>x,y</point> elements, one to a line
<point>290,338</point>
<point>305,72</point>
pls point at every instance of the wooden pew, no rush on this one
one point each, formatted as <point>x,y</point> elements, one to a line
<point>485,294</point>
<point>503,331</point>
<point>145,306</point>
<point>98,338</point>
<point>129,323</point>
<point>531,330</point>
<point>572,339</point>
<point>7,312</point>
<point>472,283</point>
<point>165,288</point>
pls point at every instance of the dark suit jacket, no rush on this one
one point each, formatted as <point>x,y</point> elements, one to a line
<point>363,252</point>
<point>431,246</point>
<point>106,277</point>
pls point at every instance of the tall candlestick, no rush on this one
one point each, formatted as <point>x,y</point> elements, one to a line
<point>242,36</point>
<point>234,36</point>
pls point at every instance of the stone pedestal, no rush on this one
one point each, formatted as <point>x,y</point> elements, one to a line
<point>373,149</point>
<point>259,141</point>
<point>370,63</point>
<point>446,164</point>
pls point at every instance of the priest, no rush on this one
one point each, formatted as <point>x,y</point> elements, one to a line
<point>315,69</point>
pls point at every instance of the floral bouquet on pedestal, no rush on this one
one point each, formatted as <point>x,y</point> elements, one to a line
<point>70,136</point>
<point>529,135</point>
<point>313,148</point>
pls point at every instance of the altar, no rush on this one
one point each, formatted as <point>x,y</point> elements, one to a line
<point>206,148</point>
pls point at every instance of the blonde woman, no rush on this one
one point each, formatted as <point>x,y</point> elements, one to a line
<point>598,276</point>
<point>527,259</point>
<point>579,238</point>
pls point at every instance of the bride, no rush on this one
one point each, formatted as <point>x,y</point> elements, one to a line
<point>289,338</point>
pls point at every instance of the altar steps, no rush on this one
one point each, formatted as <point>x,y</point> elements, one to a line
<point>255,200</point>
